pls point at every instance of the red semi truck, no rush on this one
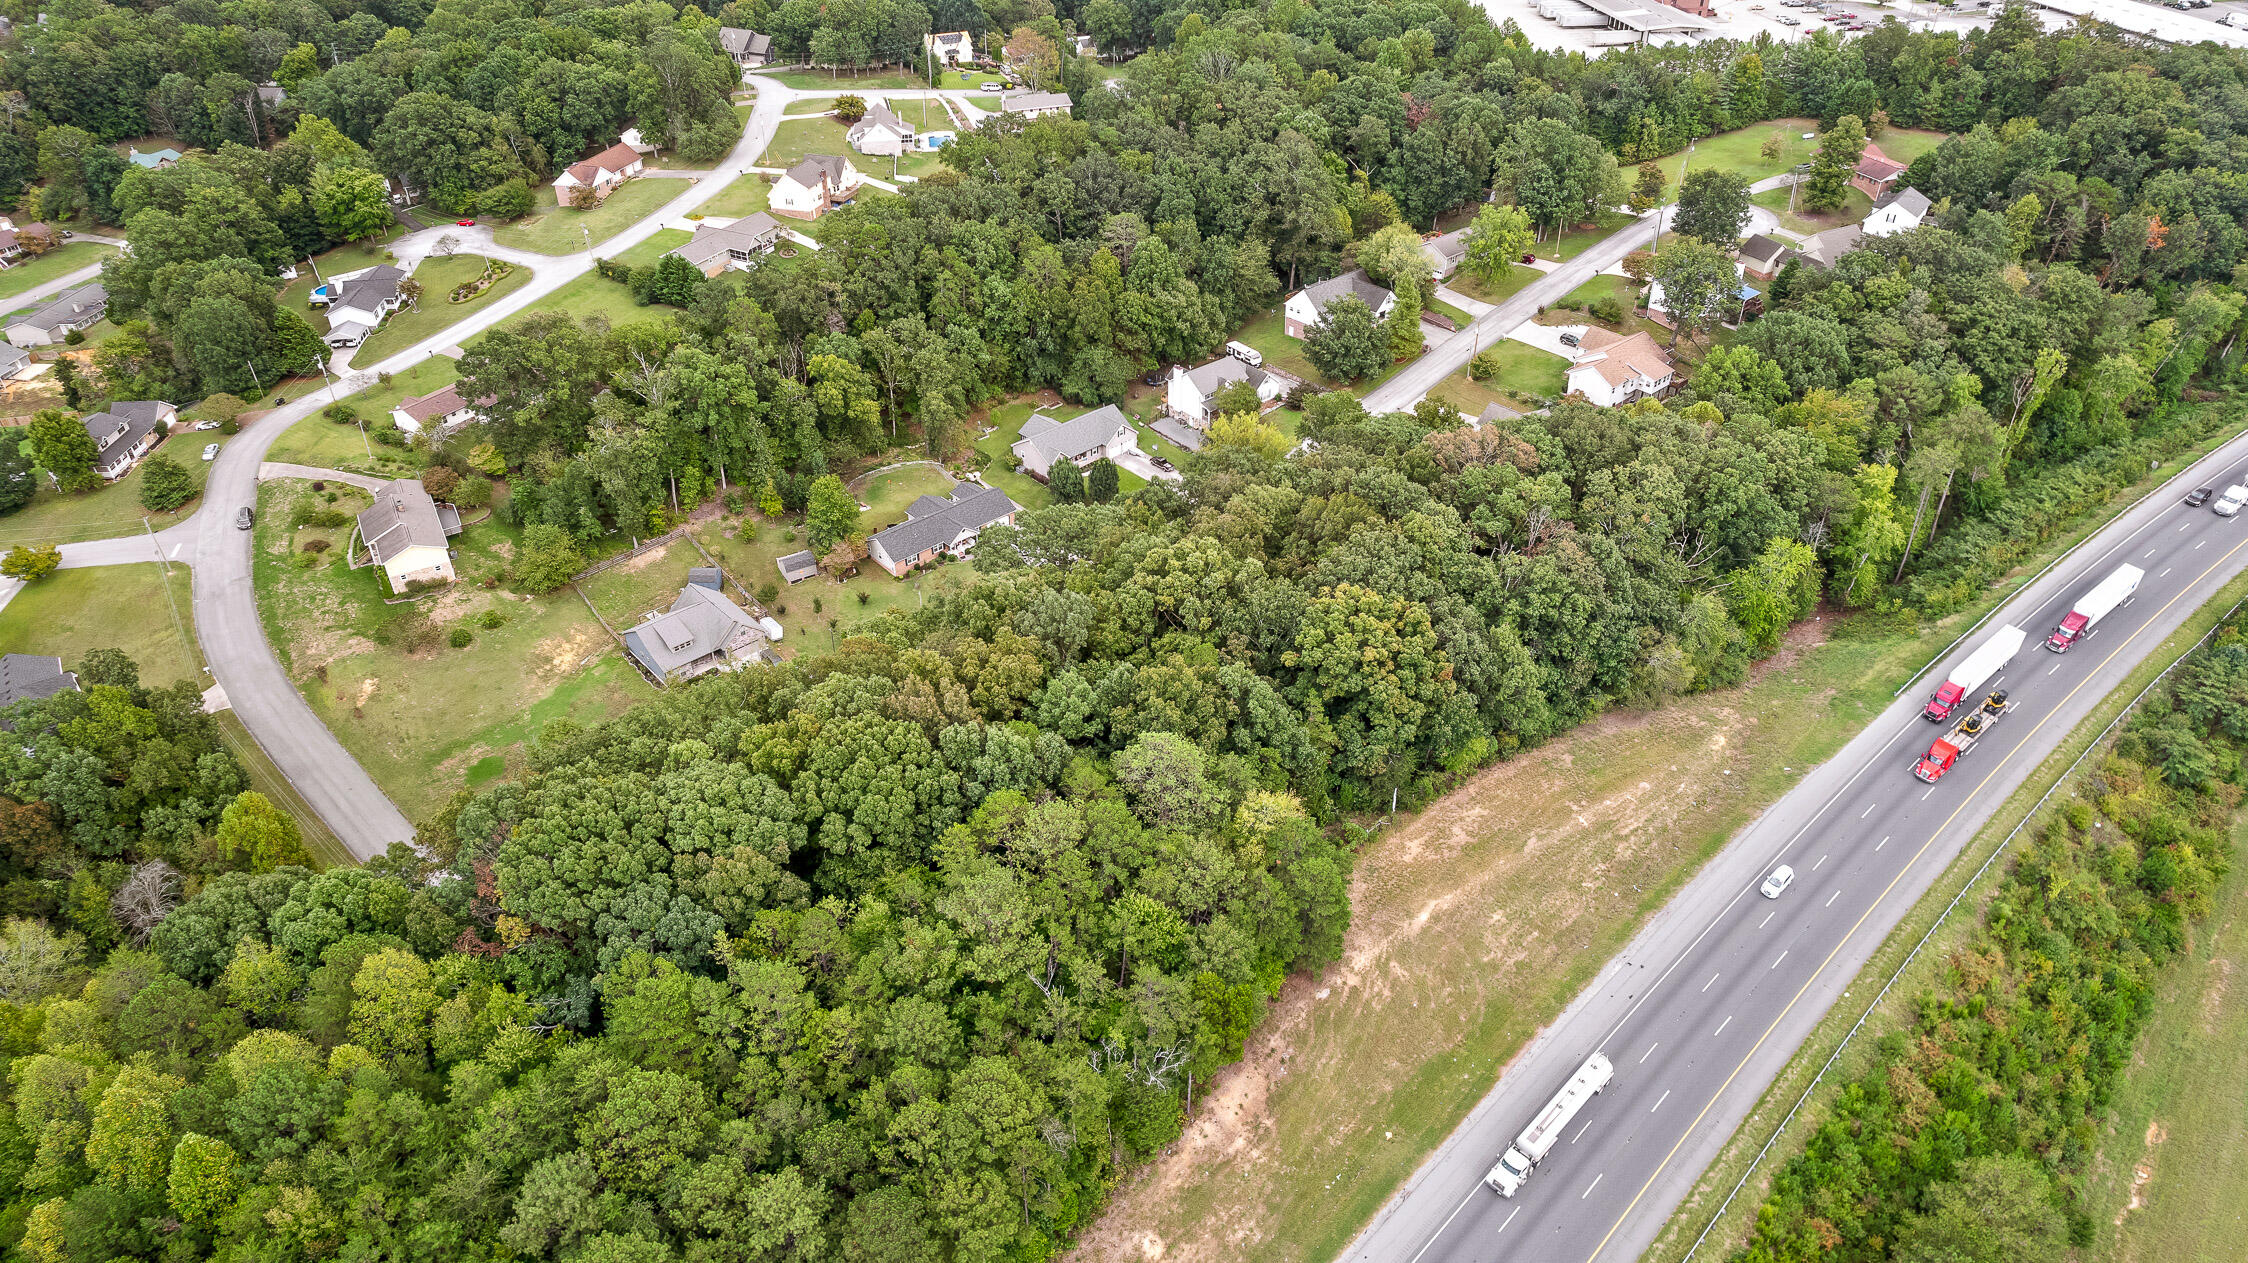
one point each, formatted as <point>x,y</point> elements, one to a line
<point>1974,673</point>
<point>1947,748</point>
<point>2094,606</point>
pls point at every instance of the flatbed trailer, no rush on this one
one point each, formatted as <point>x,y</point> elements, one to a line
<point>1949,748</point>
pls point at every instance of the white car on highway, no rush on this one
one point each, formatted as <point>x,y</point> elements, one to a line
<point>2229,503</point>
<point>1777,884</point>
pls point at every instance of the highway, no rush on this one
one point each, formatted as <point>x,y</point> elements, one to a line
<point>1707,1004</point>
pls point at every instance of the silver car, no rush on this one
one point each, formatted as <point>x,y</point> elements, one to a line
<point>210,451</point>
<point>2229,503</point>
<point>1777,884</point>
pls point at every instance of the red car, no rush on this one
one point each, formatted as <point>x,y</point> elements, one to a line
<point>1529,258</point>
<point>464,223</point>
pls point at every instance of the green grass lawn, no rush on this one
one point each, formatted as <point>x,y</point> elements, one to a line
<point>746,195</point>
<point>1742,149</point>
<point>420,716</point>
<point>1508,286</point>
<point>1454,314</point>
<point>48,266</point>
<point>1582,237</point>
<point>323,444</point>
<point>108,607</point>
<point>960,79</point>
<point>1528,378</point>
<point>810,105</point>
<point>437,311</point>
<point>1006,420</point>
<point>111,509</point>
<point>1855,207</point>
<point>847,81</point>
<point>796,139</point>
<point>986,102</point>
<point>594,294</point>
<point>1571,310</point>
<point>1268,333</point>
<point>647,252</point>
<point>552,229</point>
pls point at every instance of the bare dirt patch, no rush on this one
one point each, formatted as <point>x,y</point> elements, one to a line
<point>643,561</point>
<point>1472,922</point>
<point>2142,1173</point>
<point>557,654</point>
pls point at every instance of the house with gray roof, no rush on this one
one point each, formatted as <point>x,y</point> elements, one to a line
<point>747,48</point>
<point>357,303</point>
<point>30,677</point>
<point>880,132</point>
<point>796,567</point>
<point>405,532</point>
<point>1901,211</point>
<point>1102,432</point>
<point>1761,256</point>
<point>15,362</point>
<point>1308,305</point>
<point>44,326</point>
<point>1826,247</point>
<point>815,186</point>
<point>703,631</point>
<point>126,432</point>
<point>1446,253</point>
<point>936,525</point>
<point>738,245</point>
<point>1190,389</point>
<point>1035,104</point>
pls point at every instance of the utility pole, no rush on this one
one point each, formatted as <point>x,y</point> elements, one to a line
<point>254,379</point>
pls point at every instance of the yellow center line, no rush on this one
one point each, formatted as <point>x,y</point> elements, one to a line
<point>1906,868</point>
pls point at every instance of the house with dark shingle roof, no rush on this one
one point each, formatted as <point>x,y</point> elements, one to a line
<point>44,326</point>
<point>746,47</point>
<point>938,525</point>
<point>1307,305</point>
<point>358,303</point>
<point>126,432</point>
<point>1188,394</point>
<point>1445,253</point>
<point>30,677</point>
<point>737,245</point>
<point>405,532</point>
<point>703,631</point>
<point>1826,247</point>
<point>1102,432</point>
<point>815,186</point>
<point>1761,256</point>
<point>1876,172</point>
<point>795,568</point>
<point>880,132</point>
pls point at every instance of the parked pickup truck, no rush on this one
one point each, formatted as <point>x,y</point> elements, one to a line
<point>1960,740</point>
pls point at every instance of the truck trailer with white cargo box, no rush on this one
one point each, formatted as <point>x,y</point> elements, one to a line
<point>1975,672</point>
<point>1537,1140</point>
<point>2094,606</point>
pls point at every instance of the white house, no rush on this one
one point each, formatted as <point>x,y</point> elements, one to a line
<point>1101,432</point>
<point>1035,104</point>
<point>358,302</point>
<point>880,132</point>
<point>126,432</point>
<point>441,411</point>
<point>16,363</point>
<point>1726,307</point>
<point>747,48</point>
<point>950,48</point>
<point>1446,252</point>
<point>1188,394</point>
<point>814,187</point>
<point>1901,211</point>
<point>937,525</point>
<point>1612,370</point>
<point>737,245</point>
<point>405,533</point>
<point>1306,305</point>
<point>52,322</point>
<point>614,165</point>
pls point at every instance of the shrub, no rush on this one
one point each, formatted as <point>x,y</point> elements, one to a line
<point>767,591</point>
<point>440,482</point>
<point>865,596</point>
<point>165,484</point>
<point>317,545</point>
<point>472,493</point>
<point>816,607</point>
<point>492,619</point>
<point>509,199</point>
<point>30,564</point>
<point>460,638</point>
<point>74,337</point>
<point>1483,367</point>
<point>1608,311</point>
<point>340,413</point>
<point>389,435</point>
<point>230,427</point>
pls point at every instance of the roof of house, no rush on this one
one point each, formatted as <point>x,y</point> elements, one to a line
<point>28,677</point>
<point>1762,251</point>
<point>1452,245</point>
<point>878,115</point>
<point>10,237</point>
<point>272,93</point>
<point>797,566</point>
<point>153,158</point>
<point>1913,202</point>
<point>1186,436</point>
<point>403,516</point>
<point>1024,102</point>
<point>442,402</point>
<point>737,41</point>
<point>12,357</point>
<point>138,416</point>
<point>947,38</point>
<point>1221,372</point>
<point>613,159</point>
<point>707,577</point>
<point>370,289</point>
<point>1051,438</point>
<point>1878,166</point>
<point>700,623</point>
<point>1356,283</point>
<point>1496,412</point>
<point>1618,359</point>
<point>1824,248</point>
<point>936,521</point>
<point>808,172</point>
<point>67,308</point>
<point>751,232</point>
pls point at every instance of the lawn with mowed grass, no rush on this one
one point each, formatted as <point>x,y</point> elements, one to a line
<point>1573,308</point>
<point>746,195</point>
<point>647,252</point>
<point>1528,378</point>
<point>48,266</point>
<point>847,81</point>
<point>1855,207</point>
<point>594,295</point>
<point>436,311</point>
<point>798,138</point>
<point>1578,238</point>
<point>112,509</point>
<point>553,229</point>
<point>419,714</point>
<point>810,105</point>
<point>1742,149</point>
<point>1267,332</point>
<point>1506,287</point>
<point>1006,423</point>
<point>109,607</point>
<point>325,444</point>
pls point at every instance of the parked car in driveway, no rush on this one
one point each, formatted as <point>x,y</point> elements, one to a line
<point>245,519</point>
<point>464,223</point>
<point>206,425</point>
<point>210,451</point>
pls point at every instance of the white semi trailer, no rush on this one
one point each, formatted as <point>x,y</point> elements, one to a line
<point>1538,1139</point>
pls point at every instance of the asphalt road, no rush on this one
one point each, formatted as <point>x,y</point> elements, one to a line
<point>1713,997</point>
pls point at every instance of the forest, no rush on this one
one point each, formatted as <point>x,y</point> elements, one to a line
<point>911,949</point>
